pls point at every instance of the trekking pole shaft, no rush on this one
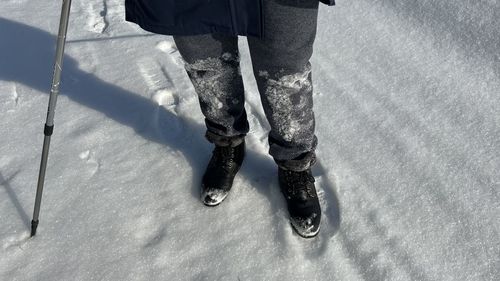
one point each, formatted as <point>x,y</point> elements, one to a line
<point>49,123</point>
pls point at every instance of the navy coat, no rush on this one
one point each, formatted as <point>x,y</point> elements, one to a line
<point>191,17</point>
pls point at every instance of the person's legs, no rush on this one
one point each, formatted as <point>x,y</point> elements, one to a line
<point>283,73</point>
<point>212,64</point>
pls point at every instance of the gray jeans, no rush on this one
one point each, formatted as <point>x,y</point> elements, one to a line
<point>282,71</point>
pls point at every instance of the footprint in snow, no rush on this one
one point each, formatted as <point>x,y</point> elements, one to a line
<point>159,82</point>
<point>11,97</point>
<point>147,231</point>
<point>165,97</point>
<point>15,240</point>
<point>166,46</point>
<point>97,21</point>
<point>88,156</point>
<point>169,47</point>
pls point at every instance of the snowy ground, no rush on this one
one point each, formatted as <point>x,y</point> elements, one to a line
<point>407,97</point>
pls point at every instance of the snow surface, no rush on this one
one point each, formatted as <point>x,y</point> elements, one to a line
<point>407,97</point>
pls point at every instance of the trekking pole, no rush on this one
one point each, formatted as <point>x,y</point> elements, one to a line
<point>49,124</point>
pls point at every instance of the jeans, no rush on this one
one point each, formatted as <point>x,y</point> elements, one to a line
<point>282,71</point>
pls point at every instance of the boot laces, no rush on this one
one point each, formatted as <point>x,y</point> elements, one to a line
<point>225,155</point>
<point>224,152</point>
<point>298,182</point>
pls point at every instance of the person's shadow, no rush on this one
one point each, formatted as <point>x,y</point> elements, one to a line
<point>26,57</point>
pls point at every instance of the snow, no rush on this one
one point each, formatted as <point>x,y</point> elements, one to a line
<point>406,97</point>
<point>281,93</point>
<point>216,85</point>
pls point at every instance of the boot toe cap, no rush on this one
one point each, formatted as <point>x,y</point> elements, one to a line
<point>307,227</point>
<point>213,196</point>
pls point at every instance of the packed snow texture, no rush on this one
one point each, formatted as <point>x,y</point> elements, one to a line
<point>406,98</point>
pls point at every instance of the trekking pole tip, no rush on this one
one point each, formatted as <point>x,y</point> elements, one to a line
<point>34,225</point>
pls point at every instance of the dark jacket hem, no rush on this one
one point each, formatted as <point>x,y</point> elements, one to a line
<point>131,16</point>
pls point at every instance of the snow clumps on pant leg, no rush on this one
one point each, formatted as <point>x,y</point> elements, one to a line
<point>219,86</point>
<point>288,105</point>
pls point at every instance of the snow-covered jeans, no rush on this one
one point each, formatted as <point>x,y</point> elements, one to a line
<point>282,71</point>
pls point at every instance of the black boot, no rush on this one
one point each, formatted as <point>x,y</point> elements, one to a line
<point>302,200</point>
<point>220,173</point>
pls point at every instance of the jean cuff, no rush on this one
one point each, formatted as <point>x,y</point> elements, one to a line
<point>224,140</point>
<point>300,163</point>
